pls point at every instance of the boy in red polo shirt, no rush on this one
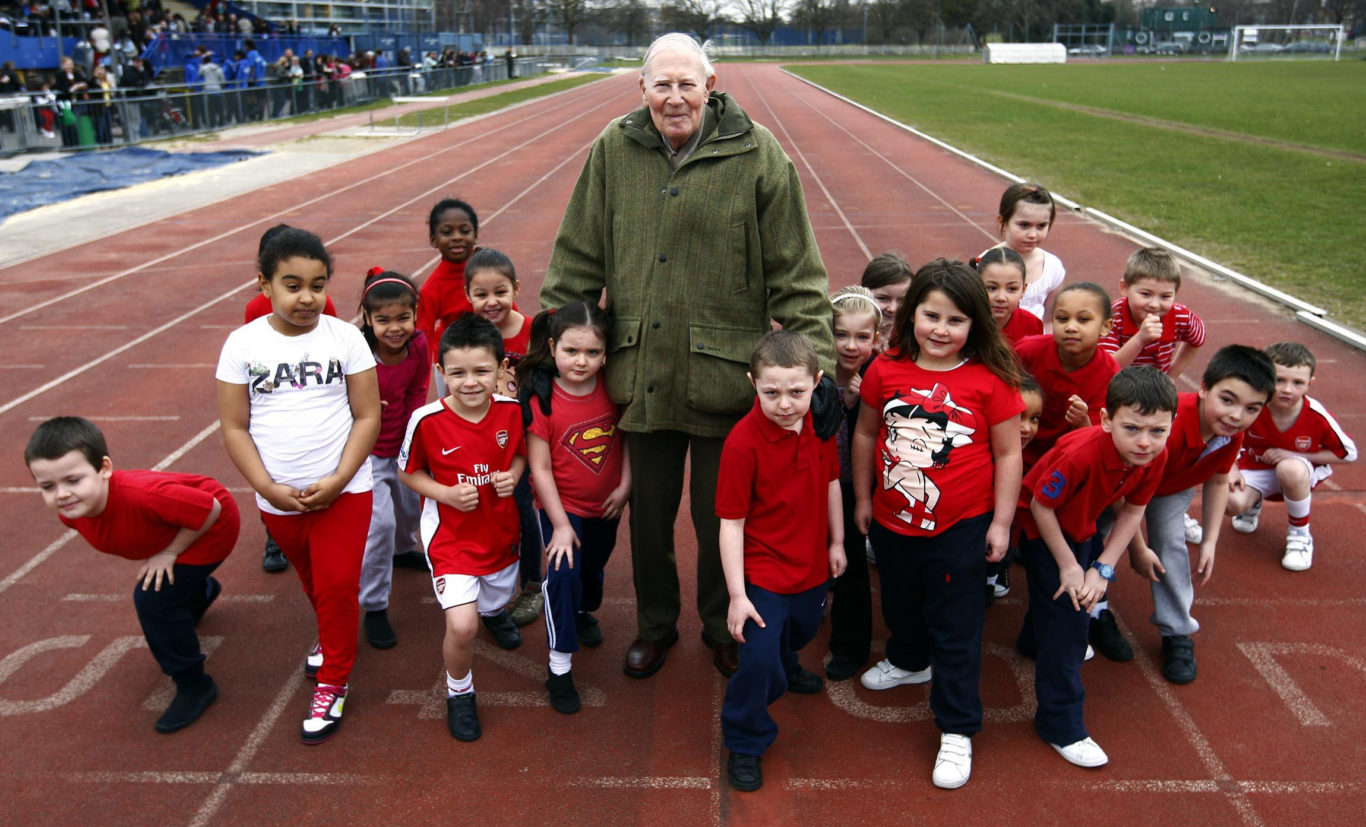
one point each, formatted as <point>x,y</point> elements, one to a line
<point>1063,495</point>
<point>1205,440</point>
<point>180,526</point>
<point>782,526</point>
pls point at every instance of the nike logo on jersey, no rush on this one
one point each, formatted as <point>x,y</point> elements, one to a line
<point>445,452</point>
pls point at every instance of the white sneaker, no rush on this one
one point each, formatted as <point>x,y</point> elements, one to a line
<point>1090,653</point>
<point>953,767</point>
<point>1194,533</point>
<point>1246,523</point>
<point>1083,753</point>
<point>324,713</point>
<point>1299,551</point>
<point>314,660</point>
<point>884,675</point>
<point>868,549</point>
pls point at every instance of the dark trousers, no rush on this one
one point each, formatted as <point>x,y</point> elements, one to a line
<point>529,558</point>
<point>657,460</point>
<point>1057,634</point>
<point>767,657</point>
<point>932,605</point>
<point>168,618</point>
<point>851,614</point>
<point>571,590</point>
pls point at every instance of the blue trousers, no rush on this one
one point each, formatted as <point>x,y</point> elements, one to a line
<point>569,591</point>
<point>767,657</point>
<point>851,613</point>
<point>1057,634</point>
<point>167,619</point>
<point>932,605</point>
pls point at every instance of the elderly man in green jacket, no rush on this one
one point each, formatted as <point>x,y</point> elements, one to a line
<point>693,219</point>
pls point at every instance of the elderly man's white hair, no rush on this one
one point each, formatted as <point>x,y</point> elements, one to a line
<point>679,42</point>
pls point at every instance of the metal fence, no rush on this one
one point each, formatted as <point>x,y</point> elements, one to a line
<point>174,111</point>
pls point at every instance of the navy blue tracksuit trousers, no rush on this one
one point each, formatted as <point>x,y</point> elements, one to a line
<point>569,591</point>
<point>767,657</point>
<point>168,619</point>
<point>1058,634</point>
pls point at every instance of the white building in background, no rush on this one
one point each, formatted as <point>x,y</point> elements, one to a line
<point>352,15</point>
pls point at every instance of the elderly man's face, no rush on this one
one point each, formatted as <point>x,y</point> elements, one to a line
<point>675,89</point>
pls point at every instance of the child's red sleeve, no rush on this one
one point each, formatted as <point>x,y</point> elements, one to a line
<point>735,481</point>
<point>177,504</point>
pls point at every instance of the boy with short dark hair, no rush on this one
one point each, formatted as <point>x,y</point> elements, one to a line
<point>1204,444</point>
<point>1150,326</point>
<point>782,525</point>
<point>181,526</point>
<point>1063,494</point>
<point>464,454</point>
<point>1288,451</point>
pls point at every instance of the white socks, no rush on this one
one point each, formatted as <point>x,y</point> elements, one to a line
<point>459,686</point>
<point>559,662</point>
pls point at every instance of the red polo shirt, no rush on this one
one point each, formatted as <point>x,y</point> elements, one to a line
<point>1185,467</point>
<point>778,482</point>
<point>1039,356</point>
<point>1021,324</point>
<point>1080,477</point>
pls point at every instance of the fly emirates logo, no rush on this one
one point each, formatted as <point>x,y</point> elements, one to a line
<point>481,476</point>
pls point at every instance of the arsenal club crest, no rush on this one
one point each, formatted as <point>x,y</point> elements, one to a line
<point>591,441</point>
<point>1303,444</point>
<point>441,585</point>
<point>502,438</point>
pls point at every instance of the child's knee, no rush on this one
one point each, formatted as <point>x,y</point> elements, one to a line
<point>462,622</point>
<point>1292,472</point>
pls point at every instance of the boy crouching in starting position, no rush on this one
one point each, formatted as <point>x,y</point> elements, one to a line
<point>464,455</point>
<point>778,498</point>
<point>180,526</point>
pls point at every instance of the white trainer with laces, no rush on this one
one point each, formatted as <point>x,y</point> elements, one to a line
<point>314,660</point>
<point>324,713</point>
<point>1083,753</point>
<point>1299,551</point>
<point>953,767</point>
<point>1090,652</point>
<point>1194,533</point>
<point>884,675</point>
<point>1246,523</point>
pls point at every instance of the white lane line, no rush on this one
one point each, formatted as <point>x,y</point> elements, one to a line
<point>646,782</point>
<point>162,696</point>
<point>140,777</point>
<point>19,489</point>
<point>325,779</point>
<point>171,365</point>
<point>1292,602</point>
<point>848,225</point>
<point>116,418</point>
<point>78,597</point>
<point>73,327</point>
<point>22,367</point>
<point>188,446</point>
<point>293,208</point>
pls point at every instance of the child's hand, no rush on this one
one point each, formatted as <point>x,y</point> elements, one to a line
<point>850,396</point>
<point>158,567</point>
<point>838,562</point>
<point>1275,456</point>
<point>1235,480</point>
<point>562,543</point>
<point>503,483</point>
<point>1070,583</point>
<point>284,497</point>
<point>1205,563</point>
<point>1146,564</point>
<point>741,610</point>
<point>320,494</point>
<point>1092,590</point>
<point>1151,329</point>
<point>863,515</point>
<point>462,497</point>
<point>616,502</point>
<point>998,542</point>
<point>1076,412</point>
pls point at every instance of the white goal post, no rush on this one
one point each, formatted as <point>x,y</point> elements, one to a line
<point>1263,41</point>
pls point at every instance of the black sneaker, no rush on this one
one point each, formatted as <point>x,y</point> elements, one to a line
<point>462,718</point>
<point>504,631</point>
<point>1178,659</point>
<point>187,705</point>
<point>415,560</point>
<point>804,682</point>
<point>1107,640</point>
<point>841,668</point>
<point>990,594</point>
<point>378,631</point>
<point>564,698</point>
<point>590,633</point>
<point>744,772</point>
<point>214,589</point>
<point>274,560</point>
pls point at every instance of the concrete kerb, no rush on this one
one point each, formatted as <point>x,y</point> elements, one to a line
<point>1310,314</point>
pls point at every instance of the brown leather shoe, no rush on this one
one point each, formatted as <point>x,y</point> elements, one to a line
<point>645,657</point>
<point>726,656</point>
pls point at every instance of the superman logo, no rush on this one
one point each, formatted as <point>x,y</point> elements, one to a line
<point>591,441</point>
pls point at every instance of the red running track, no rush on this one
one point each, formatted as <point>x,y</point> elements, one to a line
<point>126,330</point>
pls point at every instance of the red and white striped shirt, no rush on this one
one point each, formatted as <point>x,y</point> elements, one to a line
<point>1181,324</point>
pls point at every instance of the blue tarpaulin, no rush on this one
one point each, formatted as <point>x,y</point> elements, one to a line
<point>47,182</point>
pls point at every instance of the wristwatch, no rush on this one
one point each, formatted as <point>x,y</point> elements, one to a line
<point>1107,571</point>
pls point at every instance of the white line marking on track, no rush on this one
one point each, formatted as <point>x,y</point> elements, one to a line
<point>140,777</point>
<point>170,365</point>
<point>326,779</point>
<point>22,367</point>
<point>20,489</point>
<point>188,446</point>
<point>73,327</point>
<point>432,702</point>
<point>1293,602</point>
<point>162,696</point>
<point>37,559</point>
<point>656,782</point>
<point>77,597</point>
<point>1263,656</point>
<point>116,418</point>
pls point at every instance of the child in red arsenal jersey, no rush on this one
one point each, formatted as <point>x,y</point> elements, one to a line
<point>464,454</point>
<point>940,417</point>
<point>1086,472</point>
<point>1150,326</point>
<point>1003,274</point>
<point>180,526</point>
<point>1205,440</point>
<point>581,473</point>
<point>1289,450</point>
<point>782,539</point>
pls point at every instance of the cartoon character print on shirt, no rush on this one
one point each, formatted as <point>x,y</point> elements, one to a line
<point>265,379</point>
<point>923,427</point>
<point>591,442</point>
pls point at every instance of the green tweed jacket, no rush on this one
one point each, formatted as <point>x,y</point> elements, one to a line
<point>697,263</point>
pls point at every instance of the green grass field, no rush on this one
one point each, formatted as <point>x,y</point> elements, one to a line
<point>481,105</point>
<point>1260,166</point>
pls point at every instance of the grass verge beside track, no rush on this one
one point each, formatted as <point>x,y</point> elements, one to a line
<point>489,104</point>
<point>1288,216</point>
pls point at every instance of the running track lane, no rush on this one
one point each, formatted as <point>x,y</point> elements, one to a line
<point>652,757</point>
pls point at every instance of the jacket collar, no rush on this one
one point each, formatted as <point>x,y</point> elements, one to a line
<point>723,120</point>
